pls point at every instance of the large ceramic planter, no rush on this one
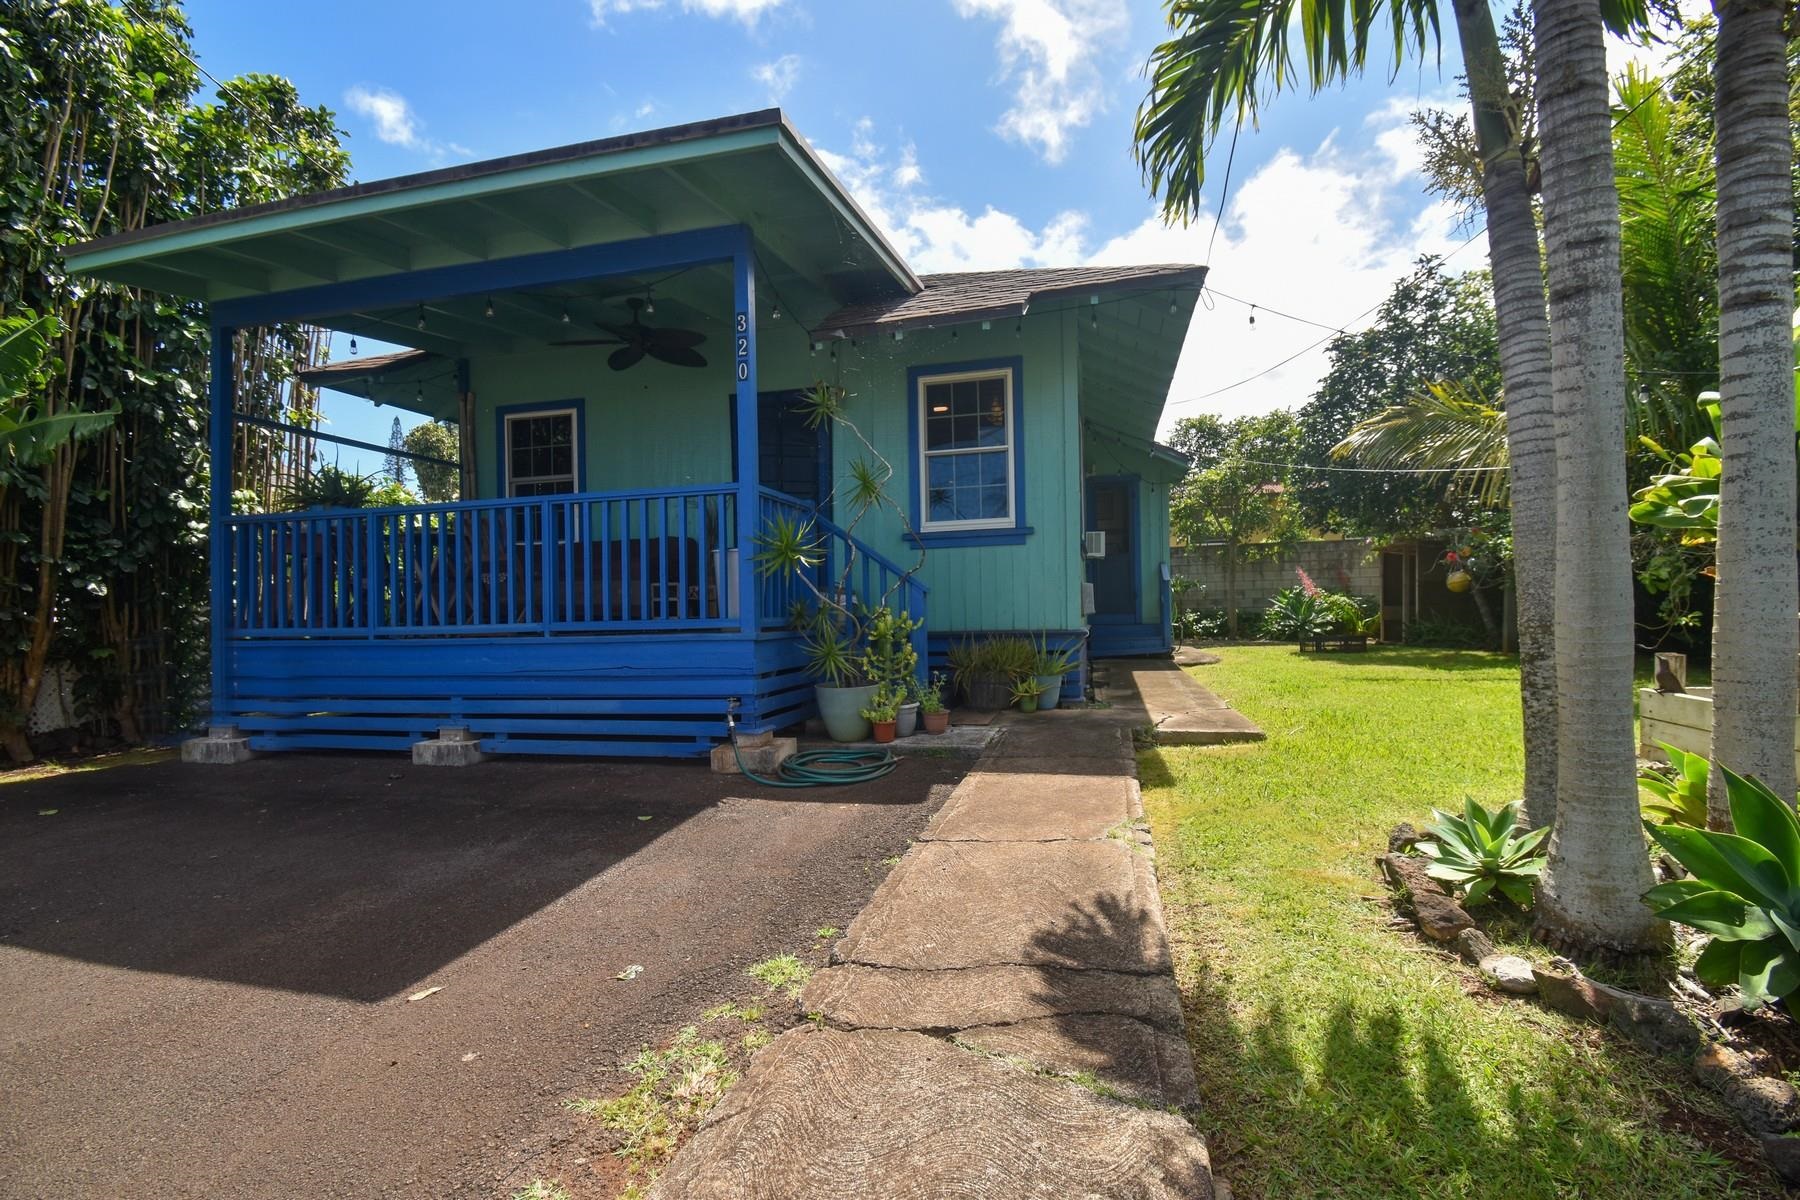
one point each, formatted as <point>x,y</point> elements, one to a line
<point>1051,692</point>
<point>841,710</point>
<point>989,693</point>
<point>906,721</point>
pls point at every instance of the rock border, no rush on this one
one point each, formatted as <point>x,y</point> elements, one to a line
<point>1766,1106</point>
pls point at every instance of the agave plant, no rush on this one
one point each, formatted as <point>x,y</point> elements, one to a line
<point>1680,792</point>
<point>1479,852</point>
<point>1744,890</point>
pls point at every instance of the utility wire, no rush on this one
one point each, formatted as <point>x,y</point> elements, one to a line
<point>1225,190</point>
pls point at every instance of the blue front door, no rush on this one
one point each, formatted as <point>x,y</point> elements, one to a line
<point>1112,509</point>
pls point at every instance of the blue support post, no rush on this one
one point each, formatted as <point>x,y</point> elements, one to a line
<point>748,455</point>
<point>220,407</point>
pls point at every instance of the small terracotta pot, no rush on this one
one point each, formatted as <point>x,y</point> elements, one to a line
<point>936,722</point>
<point>884,730</point>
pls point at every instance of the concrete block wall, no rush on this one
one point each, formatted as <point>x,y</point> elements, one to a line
<point>1349,564</point>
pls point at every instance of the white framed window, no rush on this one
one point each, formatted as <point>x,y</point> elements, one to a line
<point>966,462</point>
<point>542,452</point>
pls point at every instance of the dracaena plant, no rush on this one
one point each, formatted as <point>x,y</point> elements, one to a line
<point>1744,890</point>
<point>1479,852</point>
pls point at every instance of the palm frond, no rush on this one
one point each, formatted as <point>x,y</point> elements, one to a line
<point>1449,431</point>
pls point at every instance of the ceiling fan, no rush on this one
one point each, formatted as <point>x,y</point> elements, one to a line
<point>636,339</point>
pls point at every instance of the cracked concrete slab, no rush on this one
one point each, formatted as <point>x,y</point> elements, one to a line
<point>1013,806</point>
<point>1140,1062</point>
<point>970,904</point>
<point>852,996</point>
<point>824,1114</point>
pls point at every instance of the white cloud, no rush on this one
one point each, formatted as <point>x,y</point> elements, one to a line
<point>396,123</point>
<point>934,236</point>
<point>747,11</point>
<point>1323,235</point>
<point>1653,57</point>
<point>645,109</point>
<point>779,76</point>
<point>1047,51</point>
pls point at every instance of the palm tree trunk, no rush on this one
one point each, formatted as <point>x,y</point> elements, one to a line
<point>1598,866</point>
<point>1754,642</point>
<point>1524,338</point>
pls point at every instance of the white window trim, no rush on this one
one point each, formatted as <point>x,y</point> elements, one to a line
<point>1011,519</point>
<point>574,475</point>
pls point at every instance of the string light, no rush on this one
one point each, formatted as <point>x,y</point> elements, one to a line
<point>565,316</point>
<point>1253,316</point>
<point>352,347</point>
<point>421,316</point>
<point>775,313</point>
<point>649,305</point>
<point>489,312</point>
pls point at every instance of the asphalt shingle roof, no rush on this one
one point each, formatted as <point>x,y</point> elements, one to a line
<point>968,295</point>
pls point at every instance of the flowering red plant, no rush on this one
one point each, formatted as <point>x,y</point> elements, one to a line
<point>1306,584</point>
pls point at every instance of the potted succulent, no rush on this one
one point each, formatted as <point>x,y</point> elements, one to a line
<point>984,670</point>
<point>1025,693</point>
<point>930,698</point>
<point>881,714</point>
<point>842,689</point>
<point>328,489</point>
<point>1048,668</point>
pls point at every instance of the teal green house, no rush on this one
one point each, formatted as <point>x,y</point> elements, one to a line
<point>620,330</point>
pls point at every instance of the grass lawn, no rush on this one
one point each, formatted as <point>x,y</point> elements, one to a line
<point>1338,1057</point>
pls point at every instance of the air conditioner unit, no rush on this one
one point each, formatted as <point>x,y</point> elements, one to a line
<point>1093,544</point>
<point>1087,599</point>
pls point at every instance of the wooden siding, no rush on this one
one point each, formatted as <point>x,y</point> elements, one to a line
<point>661,426</point>
<point>622,695</point>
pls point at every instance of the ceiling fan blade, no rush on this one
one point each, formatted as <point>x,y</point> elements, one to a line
<point>625,333</point>
<point>589,342</point>
<point>686,339</point>
<point>624,357</point>
<point>676,356</point>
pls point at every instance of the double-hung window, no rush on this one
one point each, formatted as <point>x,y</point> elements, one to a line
<point>966,452</point>
<point>541,452</point>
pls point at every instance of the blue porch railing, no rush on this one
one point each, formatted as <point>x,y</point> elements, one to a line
<point>659,560</point>
<point>871,580</point>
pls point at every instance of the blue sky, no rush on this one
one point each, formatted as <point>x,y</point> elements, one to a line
<point>980,133</point>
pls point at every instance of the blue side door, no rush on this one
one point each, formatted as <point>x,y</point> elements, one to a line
<point>1112,509</point>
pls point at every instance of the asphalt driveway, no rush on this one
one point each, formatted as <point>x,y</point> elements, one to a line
<point>204,972</point>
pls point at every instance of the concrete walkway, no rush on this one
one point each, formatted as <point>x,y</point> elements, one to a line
<point>1181,712</point>
<point>999,1022</point>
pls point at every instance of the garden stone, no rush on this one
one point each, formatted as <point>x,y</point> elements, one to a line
<point>1404,838</point>
<point>1568,991</point>
<point>1508,973</point>
<point>1657,1025</point>
<point>1783,1154</point>
<point>1440,918</point>
<point>1764,1104</point>
<point>1474,946</point>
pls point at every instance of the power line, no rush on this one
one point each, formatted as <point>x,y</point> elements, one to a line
<point>182,50</point>
<point>1225,190</point>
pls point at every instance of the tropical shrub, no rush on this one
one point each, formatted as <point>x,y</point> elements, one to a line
<point>331,487</point>
<point>1479,852</point>
<point>1744,890</point>
<point>1680,793</point>
<point>1046,661</point>
<point>1002,658</point>
<point>1294,614</point>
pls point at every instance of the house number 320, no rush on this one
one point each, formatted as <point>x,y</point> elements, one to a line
<point>743,346</point>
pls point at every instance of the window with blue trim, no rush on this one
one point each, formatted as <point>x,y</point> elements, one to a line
<point>540,452</point>
<point>966,460</point>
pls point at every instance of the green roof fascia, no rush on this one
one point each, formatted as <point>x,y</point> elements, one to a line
<point>102,255</point>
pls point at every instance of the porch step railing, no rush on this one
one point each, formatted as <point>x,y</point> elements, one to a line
<point>872,579</point>
<point>642,560</point>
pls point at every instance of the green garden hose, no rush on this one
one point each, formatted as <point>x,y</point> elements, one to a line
<point>819,768</point>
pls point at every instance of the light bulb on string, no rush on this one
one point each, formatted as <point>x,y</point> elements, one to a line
<point>352,347</point>
<point>421,316</point>
<point>489,311</point>
<point>1253,316</point>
